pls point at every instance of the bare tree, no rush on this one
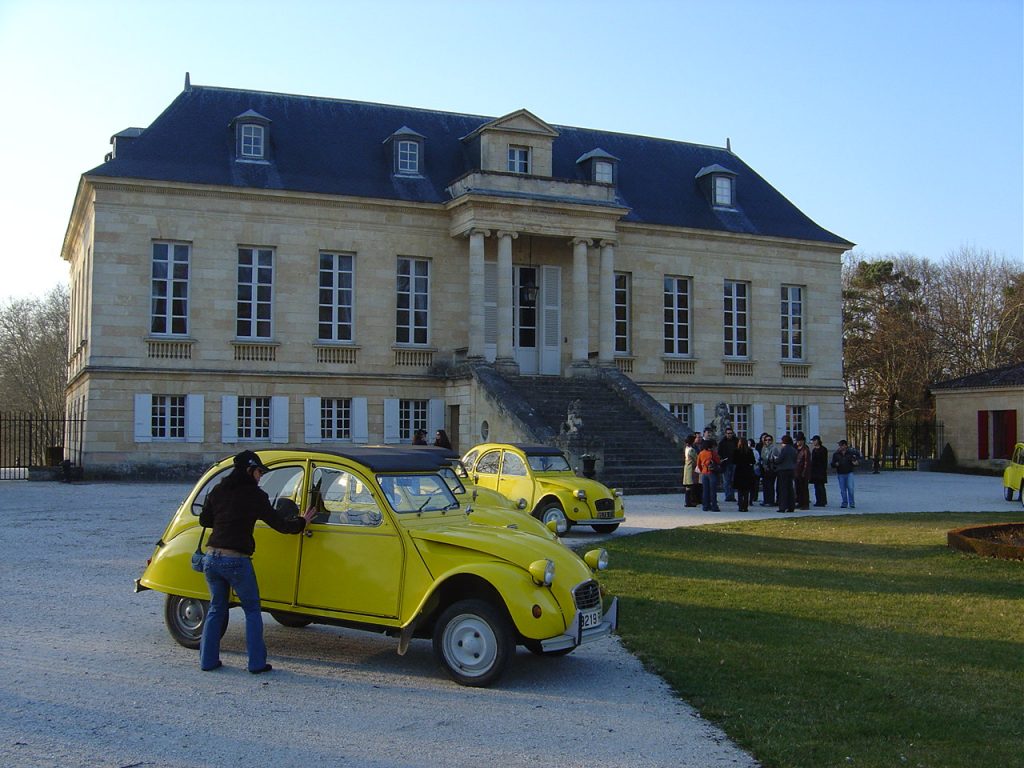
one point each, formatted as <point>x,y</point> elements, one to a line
<point>33,353</point>
<point>977,304</point>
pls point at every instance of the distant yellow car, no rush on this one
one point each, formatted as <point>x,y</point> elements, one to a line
<point>392,550</point>
<point>539,477</point>
<point>1013,475</point>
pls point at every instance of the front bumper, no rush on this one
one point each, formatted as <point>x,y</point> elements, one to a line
<point>576,635</point>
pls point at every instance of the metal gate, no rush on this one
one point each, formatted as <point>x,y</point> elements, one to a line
<point>29,441</point>
<point>897,445</point>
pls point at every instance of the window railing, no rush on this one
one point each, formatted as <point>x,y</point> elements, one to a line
<point>337,355</point>
<point>680,367</point>
<point>168,349</point>
<point>257,353</point>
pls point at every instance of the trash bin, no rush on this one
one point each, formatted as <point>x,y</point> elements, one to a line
<point>589,464</point>
<point>54,455</point>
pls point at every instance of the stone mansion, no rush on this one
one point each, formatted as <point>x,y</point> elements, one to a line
<point>272,270</point>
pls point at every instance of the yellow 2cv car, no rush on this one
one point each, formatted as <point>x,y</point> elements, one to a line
<point>391,550</point>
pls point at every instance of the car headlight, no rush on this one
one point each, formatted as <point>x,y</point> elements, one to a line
<point>543,572</point>
<point>617,492</point>
<point>597,559</point>
<point>581,494</point>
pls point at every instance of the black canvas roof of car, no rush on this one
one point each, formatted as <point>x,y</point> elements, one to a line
<point>393,458</point>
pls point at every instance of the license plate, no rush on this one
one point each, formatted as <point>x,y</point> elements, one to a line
<point>604,514</point>
<point>590,619</point>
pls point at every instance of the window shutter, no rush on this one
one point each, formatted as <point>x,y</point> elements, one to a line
<point>391,434</point>
<point>279,419</point>
<point>698,417</point>
<point>195,418</point>
<point>143,418</point>
<point>982,434</point>
<point>756,420</point>
<point>435,417</point>
<point>812,421</point>
<point>229,419</point>
<point>780,421</point>
<point>360,422</point>
<point>311,419</point>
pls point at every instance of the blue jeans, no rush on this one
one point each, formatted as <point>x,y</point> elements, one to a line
<point>846,488</point>
<point>222,575</point>
<point>728,471</point>
<point>709,487</point>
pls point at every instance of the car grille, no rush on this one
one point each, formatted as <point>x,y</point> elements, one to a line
<point>588,596</point>
<point>604,505</point>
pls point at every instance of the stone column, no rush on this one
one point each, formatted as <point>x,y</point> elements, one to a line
<point>606,305</point>
<point>504,358</point>
<point>580,304</point>
<point>476,293</point>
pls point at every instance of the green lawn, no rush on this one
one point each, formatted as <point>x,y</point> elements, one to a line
<point>840,641</point>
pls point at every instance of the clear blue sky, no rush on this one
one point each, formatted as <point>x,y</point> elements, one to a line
<point>895,124</point>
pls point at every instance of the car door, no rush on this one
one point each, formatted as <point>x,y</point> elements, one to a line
<point>515,481</point>
<point>276,558</point>
<point>353,557</point>
<point>487,469</point>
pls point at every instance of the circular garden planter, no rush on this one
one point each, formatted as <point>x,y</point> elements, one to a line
<point>1002,540</point>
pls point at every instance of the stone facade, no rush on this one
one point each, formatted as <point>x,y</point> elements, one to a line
<point>155,398</point>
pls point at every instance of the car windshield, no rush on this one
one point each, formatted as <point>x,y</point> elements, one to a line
<point>549,463</point>
<point>417,493</point>
<point>452,478</point>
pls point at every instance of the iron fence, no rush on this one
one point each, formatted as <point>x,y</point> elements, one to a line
<point>30,441</point>
<point>901,444</point>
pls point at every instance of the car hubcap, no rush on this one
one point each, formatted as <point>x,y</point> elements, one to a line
<point>190,615</point>
<point>554,514</point>
<point>470,645</point>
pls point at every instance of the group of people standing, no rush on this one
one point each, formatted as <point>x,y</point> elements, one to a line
<point>781,473</point>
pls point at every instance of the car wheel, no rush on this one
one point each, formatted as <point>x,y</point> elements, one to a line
<point>473,642</point>
<point>552,510</point>
<point>185,617</point>
<point>606,528</point>
<point>1007,493</point>
<point>293,620</point>
<point>1021,496</point>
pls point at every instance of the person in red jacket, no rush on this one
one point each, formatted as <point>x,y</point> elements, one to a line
<point>231,510</point>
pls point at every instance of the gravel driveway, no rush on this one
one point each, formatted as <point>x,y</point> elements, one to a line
<point>90,677</point>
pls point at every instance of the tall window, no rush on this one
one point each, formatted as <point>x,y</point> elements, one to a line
<point>408,157</point>
<point>795,419</point>
<point>723,191</point>
<point>336,297</point>
<point>336,418</point>
<point>253,418</point>
<point>255,293</point>
<point>740,417</point>
<point>168,417</point>
<point>792,322</point>
<point>683,413</point>
<point>604,171</point>
<point>169,289</point>
<point>252,141</point>
<point>622,313</point>
<point>518,159</point>
<point>412,318</point>
<point>412,415</point>
<point>677,316</point>
<point>736,319</point>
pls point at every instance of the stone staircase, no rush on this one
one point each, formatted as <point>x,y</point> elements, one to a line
<point>617,427</point>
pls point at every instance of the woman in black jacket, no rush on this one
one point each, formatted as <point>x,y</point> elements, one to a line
<point>819,471</point>
<point>231,510</point>
<point>744,481</point>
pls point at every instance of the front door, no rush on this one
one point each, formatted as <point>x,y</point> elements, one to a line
<point>536,311</point>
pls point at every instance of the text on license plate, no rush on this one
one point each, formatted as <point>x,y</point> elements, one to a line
<point>590,619</point>
<point>604,514</point>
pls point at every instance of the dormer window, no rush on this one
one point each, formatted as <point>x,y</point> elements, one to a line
<point>252,137</point>
<point>599,166</point>
<point>518,159</point>
<point>252,141</point>
<point>719,185</point>
<point>406,152</point>
<point>723,191</point>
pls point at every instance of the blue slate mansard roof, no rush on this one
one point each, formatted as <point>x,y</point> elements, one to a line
<point>338,147</point>
<point>1005,376</point>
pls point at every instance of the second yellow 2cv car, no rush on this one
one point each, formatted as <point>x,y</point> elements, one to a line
<point>392,550</point>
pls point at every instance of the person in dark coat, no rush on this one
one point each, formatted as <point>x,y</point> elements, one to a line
<point>441,440</point>
<point>744,481</point>
<point>726,447</point>
<point>819,471</point>
<point>785,465</point>
<point>231,511</point>
<point>802,473</point>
